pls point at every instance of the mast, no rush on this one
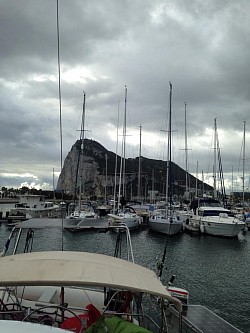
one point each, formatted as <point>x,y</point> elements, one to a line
<point>153,187</point>
<point>106,177</point>
<point>186,153</point>
<point>169,155</point>
<point>139,170</point>
<point>81,185</point>
<point>124,141</point>
<point>187,180</point>
<point>243,168</point>
<point>54,195</point>
<point>232,187</point>
<point>196,180</point>
<point>59,95</point>
<point>123,155</point>
<point>215,157</point>
<point>116,154</point>
<point>202,177</point>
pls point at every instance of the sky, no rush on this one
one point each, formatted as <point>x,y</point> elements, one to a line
<point>202,47</point>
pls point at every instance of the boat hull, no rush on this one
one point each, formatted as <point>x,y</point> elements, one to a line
<point>217,221</point>
<point>132,221</point>
<point>164,226</point>
<point>222,229</point>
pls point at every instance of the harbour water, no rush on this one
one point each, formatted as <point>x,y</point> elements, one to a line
<point>214,270</point>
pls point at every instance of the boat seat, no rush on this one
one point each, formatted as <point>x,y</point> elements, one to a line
<point>47,295</point>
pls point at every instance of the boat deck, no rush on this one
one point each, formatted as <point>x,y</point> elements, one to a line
<point>203,320</point>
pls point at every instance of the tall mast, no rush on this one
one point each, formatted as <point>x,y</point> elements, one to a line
<point>215,157</point>
<point>196,181</point>
<point>232,180</point>
<point>139,170</point>
<point>116,153</point>
<point>54,195</point>
<point>123,154</point>
<point>186,153</point>
<point>202,177</point>
<point>106,177</point>
<point>169,155</point>
<point>124,139</point>
<point>81,185</point>
<point>244,153</point>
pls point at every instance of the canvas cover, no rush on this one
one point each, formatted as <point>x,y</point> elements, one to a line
<point>68,268</point>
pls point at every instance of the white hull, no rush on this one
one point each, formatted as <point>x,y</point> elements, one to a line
<point>222,228</point>
<point>192,227</point>
<point>82,215</point>
<point>35,206</point>
<point>36,212</point>
<point>50,212</point>
<point>132,221</point>
<point>164,226</point>
<point>217,221</point>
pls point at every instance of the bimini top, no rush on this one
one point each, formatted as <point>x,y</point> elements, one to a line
<point>68,268</point>
<point>10,326</point>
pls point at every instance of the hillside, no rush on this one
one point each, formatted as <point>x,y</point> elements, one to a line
<point>99,164</point>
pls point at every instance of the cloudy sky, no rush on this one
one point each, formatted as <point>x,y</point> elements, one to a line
<point>201,46</point>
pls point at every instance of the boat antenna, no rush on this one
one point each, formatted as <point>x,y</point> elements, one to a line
<point>59,92</point>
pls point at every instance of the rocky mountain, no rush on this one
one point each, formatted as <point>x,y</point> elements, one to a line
<point>93,167</point>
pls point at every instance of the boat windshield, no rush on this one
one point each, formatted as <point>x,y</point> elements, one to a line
<point>209,203</point>
<point>215,212</point>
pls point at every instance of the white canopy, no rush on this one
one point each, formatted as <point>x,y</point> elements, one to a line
<point>9,326</point>
<point>68,268</point>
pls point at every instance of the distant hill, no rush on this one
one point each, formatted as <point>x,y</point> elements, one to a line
<point>99,164</point>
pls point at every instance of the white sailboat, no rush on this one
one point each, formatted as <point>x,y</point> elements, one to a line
<point>165,220</point>
<point>124,214</point>
<point>82,210</point>
<point>210,215</point>
<point>184,213</point>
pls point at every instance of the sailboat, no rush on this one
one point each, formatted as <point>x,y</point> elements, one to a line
<point>184,213</point>
<point>82,210</point>
<point>209,214</point>
<point>165,220</point>
<point>125,214</point>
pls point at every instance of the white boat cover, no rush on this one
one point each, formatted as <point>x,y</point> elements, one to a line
<point>9,326</point>
<point>68,268</point>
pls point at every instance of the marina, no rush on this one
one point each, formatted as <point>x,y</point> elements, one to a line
<point>122,238</point>
<point>214,270</point>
